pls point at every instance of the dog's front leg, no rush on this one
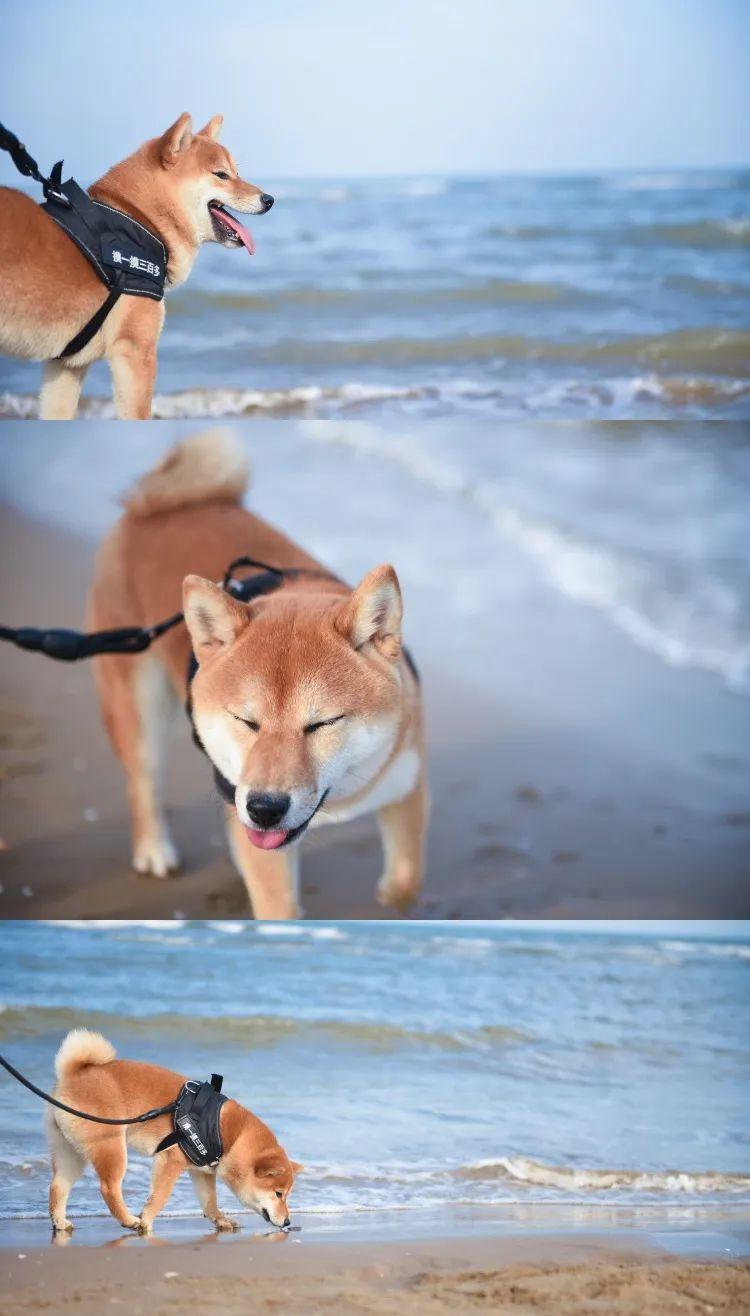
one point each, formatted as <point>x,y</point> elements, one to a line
<point>205,1188</point>
<point>133,366</point>
<point>271,876</point>
<point>403,831</point>
<point>61,390</point>
<point>167,1168</point>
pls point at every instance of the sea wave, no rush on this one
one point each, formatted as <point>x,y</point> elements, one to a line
<point>192,302</point>
<point>688,624</point>
<point>524,1170</point>
<point>713,349</point>
<point>249,1030</point>
<point>519,1176</point>
<point>675,181</point>
<point>711,233</point>
<point>702,234</point>
<point>603,395</point>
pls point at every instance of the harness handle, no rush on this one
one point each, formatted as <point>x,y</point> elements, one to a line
<point>27,165</point>
<point>82,1114</point>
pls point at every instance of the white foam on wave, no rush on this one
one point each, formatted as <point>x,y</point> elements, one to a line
<point>315,932</point>
<point>419,187</point>
<point>115,924</point>
<point>720,949</point>
<point>666,181</point>
<point>525,1170</point>
<point>606,396</point>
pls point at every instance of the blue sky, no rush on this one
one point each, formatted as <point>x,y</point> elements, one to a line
<point>421,86</point>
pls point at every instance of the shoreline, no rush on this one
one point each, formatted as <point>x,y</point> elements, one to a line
<point>714,1229</point>
<point>506,1270</point>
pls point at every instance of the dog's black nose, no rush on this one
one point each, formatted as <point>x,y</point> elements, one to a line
<point>287,1223</point>
<point>266,200</point>
<point>266,810</point>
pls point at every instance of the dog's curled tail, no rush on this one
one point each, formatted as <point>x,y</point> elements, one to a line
<point>201,469</point>
<point>81,1048</point>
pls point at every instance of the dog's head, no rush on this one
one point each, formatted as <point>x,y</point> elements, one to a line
<point>297,699</point>
<point>202,177</point>
<point>261,1182</point>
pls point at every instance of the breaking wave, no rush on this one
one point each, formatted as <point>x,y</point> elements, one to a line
<point>601,396</point>
<point>523,1170</point>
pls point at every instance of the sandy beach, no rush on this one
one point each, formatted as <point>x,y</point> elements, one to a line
<point>619,1271</point>
<point>557,818</point>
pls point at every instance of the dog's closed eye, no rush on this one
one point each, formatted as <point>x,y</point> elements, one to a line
<point>326,722</point>
<point>219,173</point>
<point>246,721</point>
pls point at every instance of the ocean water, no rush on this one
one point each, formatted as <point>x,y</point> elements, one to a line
<point>411,1068</point>
<point>642,525</point>
<point>620,295</point>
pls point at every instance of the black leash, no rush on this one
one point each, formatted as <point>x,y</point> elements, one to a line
<point>82,1114</point>
<point>27,165</point>
<point>71,646</point>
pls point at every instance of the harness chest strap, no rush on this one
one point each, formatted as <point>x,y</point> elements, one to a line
<point>196,1122</point>
<point>124,255</point>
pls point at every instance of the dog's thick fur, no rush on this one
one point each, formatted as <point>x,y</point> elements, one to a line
<point>90,1078</point>
<point>48,290</point>
<point>301,696</point>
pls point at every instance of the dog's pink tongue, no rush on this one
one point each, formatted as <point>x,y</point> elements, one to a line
<point>266,840</point>
<point>244,235</point>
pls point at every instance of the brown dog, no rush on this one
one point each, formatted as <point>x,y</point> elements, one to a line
<point>253,1164</point>
<point>304,701</point>
<point>176,185</point>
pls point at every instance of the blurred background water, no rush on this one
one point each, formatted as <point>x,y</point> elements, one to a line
<point>615,295</point>
<point>412,1066</point>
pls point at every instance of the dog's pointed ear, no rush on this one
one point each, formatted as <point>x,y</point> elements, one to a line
<point>213,619</point>
<point>296,1167</point>
<point>176,140</point>
<point>213,127</point>
<point>268,1166</point>
<point>372,614</point>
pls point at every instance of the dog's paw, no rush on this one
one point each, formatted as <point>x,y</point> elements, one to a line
<point>65,1228</point>
<point>225,1225</point>
<point>398,889</point>
<point>142,1226</point>
<point>156,856</point>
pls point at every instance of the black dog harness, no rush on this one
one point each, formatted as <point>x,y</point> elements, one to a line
<point>197,1129</point>
<point>125,256</point>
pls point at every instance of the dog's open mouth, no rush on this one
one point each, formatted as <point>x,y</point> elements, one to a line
<point>274,840</point>
<point>228,229</point>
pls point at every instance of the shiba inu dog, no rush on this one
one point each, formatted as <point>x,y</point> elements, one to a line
<point>179,186</point>
<point>303,699</point>
<point>90,1078</point>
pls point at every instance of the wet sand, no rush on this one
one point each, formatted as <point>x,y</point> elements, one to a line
<point>529,819</point>
<point>619,1272</point>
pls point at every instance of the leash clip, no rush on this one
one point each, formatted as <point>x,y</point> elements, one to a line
<point>52,187</point>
